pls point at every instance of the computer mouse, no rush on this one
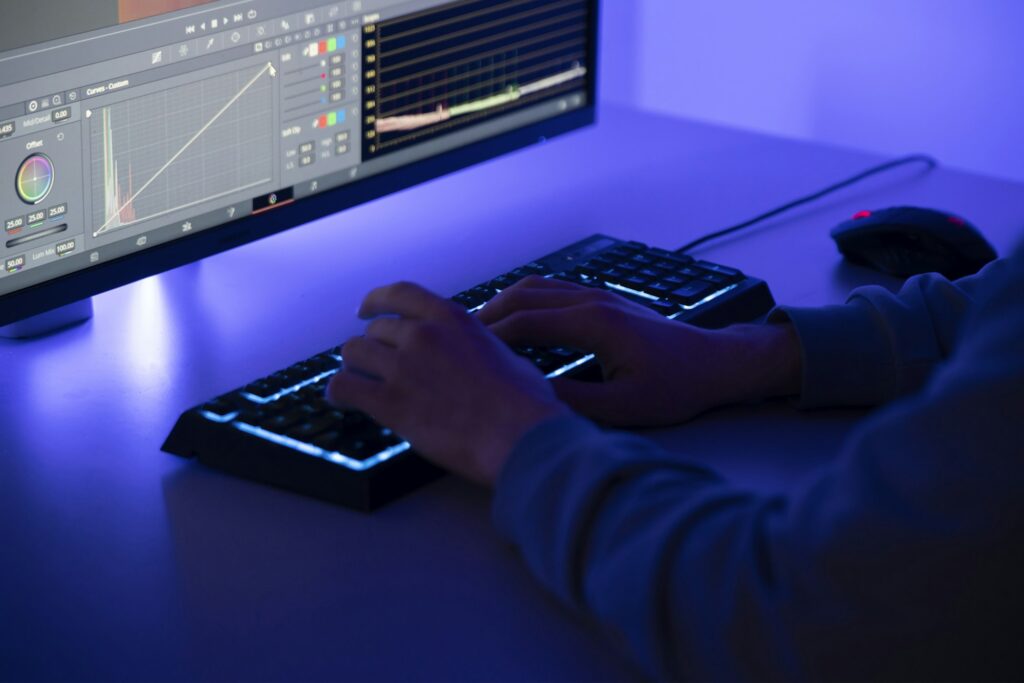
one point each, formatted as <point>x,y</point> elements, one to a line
<point>907,241</point>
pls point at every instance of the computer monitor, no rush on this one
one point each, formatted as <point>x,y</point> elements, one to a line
<point>140,135</point>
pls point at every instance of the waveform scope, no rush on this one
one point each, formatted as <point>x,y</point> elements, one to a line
<point>436,71</point>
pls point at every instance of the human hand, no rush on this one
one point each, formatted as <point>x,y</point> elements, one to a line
<point>657,371</point>
<point>435,375</point>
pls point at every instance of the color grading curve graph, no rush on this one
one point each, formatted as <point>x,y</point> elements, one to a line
<point>180,147</point>
<point>441,69</point>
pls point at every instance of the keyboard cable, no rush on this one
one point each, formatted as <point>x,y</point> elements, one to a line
<point>925,159</point>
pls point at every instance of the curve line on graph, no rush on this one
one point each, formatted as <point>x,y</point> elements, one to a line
<point>268,68</point>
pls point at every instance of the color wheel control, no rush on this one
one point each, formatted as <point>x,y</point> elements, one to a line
<point>35,179</point>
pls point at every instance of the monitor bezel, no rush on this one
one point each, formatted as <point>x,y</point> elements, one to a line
<point>96,279</point>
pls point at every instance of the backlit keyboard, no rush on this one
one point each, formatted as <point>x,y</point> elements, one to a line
<point>280,429</point>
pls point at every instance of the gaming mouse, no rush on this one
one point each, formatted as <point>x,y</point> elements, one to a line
<point>907,241</point>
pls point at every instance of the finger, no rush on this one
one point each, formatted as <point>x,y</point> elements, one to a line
<point>526,299</point>
<point>590,327</point>
<point>370,357</point>
<point>407,300</point>
<point>349,390</point>
<point>545,283</point>
<point>390,331</point>
<point>541,282</point>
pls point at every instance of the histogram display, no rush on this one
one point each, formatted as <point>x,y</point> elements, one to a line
<point>436,71</point>
<point>181,147</point>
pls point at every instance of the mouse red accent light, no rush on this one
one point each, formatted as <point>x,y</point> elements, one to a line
<point>956,220</point>
<point>861,214</point>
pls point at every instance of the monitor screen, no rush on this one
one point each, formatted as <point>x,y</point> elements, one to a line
<point>133,132</point>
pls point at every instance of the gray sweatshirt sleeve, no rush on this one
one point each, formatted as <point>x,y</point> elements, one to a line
<point>901,560</point>
<point>879,345</point>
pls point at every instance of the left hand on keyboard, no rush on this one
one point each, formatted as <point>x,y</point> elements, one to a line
<point>438,377</point>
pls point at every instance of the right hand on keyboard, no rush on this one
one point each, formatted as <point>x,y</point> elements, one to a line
<point>657,371</point>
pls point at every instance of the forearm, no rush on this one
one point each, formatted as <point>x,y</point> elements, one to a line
<point>879,345</point>
<point>901,561</point>
<point>886,567</point>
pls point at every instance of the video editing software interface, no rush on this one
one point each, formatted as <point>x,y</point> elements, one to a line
<point>128,123</point>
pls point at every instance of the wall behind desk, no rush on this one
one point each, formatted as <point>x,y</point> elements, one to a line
<point>891,76</point>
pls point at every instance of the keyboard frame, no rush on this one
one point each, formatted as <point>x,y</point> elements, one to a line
<point>256,454</point>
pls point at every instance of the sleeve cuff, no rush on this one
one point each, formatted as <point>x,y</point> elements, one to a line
<point>847,357</point>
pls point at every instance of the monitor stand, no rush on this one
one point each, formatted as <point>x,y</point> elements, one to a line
<point>49,322</point>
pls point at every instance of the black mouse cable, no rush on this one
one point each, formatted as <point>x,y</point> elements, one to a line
<point>925,159</point>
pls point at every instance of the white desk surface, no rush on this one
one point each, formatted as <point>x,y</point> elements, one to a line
<point>122,562</point>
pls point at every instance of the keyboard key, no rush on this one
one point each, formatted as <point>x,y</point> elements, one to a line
<point>665,308</point>
<point>730,273</point>
<point>328,440</point>
<point>359,448</point>
<point>671,256</point>
<point>566,354</point>
<point>624,251</point>
<point>593,267</point>
<point>547,362</point>
<point>305,431</point>
<point>573,277</point>
<point>260,389</point>
<point>220,407</point>
<point>483,293</point>
<point>465,300</point>
<point>628,267</point>
<point>615,274</point>
<point>520,273</point>
<point>280,424</point>
<point>537,268</point>
<point>292,400</point>
<point>660,289</point>
<point>714,279</point>
<point>670,265</point>
<point>252,416</point>
<point>502,282</point>
<point>513,277</point>
<point>691,293</point>
<point>364,449</point>
<point>284,379</point>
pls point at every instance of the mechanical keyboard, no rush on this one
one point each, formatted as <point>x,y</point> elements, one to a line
<point>280,430</point>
